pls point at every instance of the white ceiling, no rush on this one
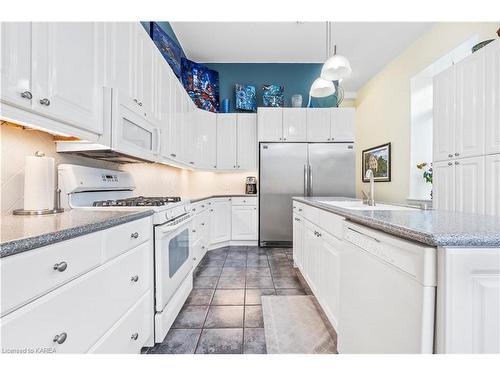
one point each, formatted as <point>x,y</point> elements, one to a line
<point>368,45</point>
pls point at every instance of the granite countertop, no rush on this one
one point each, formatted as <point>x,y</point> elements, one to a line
<point>431,227</point>
<point>23,233</point>
<point>194,200</point>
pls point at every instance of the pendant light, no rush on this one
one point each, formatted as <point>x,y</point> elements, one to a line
<point>322,87</point>
<point>337,67</point>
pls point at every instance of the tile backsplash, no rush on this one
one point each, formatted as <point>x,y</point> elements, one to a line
<point>151,179</point>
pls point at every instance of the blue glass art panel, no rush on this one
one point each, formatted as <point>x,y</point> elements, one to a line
<point>272,96</point>
<point>246,97</point>
<point>202,84</point>
<point>168,48</point>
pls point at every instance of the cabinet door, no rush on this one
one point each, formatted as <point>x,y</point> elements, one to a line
<point>220,225</point>
<point>119,57</point>
<point>67,81</point>
<point>270,123</point>
<point>15,64</point>
<point>176,124</point>
<point>330,294</point>
<point>469,117</point>
<point>144,67</point>
<point>298,238</point>
<point>247,141</point>
<point>444,115</point>
<point>470,185</point>
<point>294,124</point>
<point>311,255</point>
<point>226,141</point>
<point>190,132</point>
<point>206,142</point>
<point>162,103</point>
<point>318,124</point>
<point>492,97</point>
<point>342,124</point>
<point>244,223</point>
<point>443,187</point>
<point>492,184</point>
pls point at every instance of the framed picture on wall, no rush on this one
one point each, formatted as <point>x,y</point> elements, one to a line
<point>378,159</point>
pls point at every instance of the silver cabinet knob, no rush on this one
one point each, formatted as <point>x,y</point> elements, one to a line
<point>140,104</point>
<point>45,102</point>
<point>27,95</point>
<point>60,338</point>
<point>134,235</point>
<point>194,230</point>
<point>202,206</point>
<point>134,336</point>
<point>229,199</point>
<point>173,155</point>
<point>202,224</point>
<point>194,209</point>
<point>284,139</point>
<point>244,201</point>
<point>134,278</point>
<point>61,266</point>
<point>215,166</point>
<point>450,155</point>
<point>194,258</point>
<point>457,163</point>
<point>234,166</point>
<point>450,163</point>
<point>280,138</point>
<point>211,210</point>
<point>328,139</point>
<point>300,209</point>
<point>203,247</point>
<point>457,154</point>
<point>191,162</point>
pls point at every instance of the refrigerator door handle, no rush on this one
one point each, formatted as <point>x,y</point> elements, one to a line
<point>306,183</point>
<point>310,181</point>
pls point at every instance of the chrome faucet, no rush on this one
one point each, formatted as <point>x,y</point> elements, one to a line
<point>370,199</point>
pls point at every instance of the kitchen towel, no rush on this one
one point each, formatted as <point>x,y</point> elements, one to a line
<point>39,183</point>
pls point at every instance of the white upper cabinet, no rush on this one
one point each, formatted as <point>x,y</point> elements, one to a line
<point>443,187</point>
<point>318,124</point>
<point>120,60</point>
<point>206,140</point>
<point>176,135</point>
<point>144,55</point>
<point>492,185</point>
<point>15,64</point>
<point>66,72</point>
<point>270,121</point>
<point>226,141</point>
<point>189,131</point>
<point>246,141</point>
<point>444,115</point>
<point>162,103</point>
<point>492,96</point>
<point>470,115</point>
<point>470,185</point>
<point>294,124</point>
<point>342,126</point>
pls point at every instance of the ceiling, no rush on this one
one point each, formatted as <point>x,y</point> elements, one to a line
<point>368,45</point>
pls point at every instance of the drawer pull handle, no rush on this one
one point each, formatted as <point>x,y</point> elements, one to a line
<point>61,267</point>
<point>134,278</point>
<point>194,230</point>
<point>27,95</point>
<point>135,336</point>
<point>45,102</point>
<point>134,235</point>
<point>60,338</point>
<point>202,223</point>
<point>300,209</point>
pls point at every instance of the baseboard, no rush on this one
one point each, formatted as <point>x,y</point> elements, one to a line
<point>232,243</point>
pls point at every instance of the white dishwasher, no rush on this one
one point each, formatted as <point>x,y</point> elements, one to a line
<point>387,294</point>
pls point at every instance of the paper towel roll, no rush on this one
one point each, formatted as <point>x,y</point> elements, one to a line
<point>39,183</point>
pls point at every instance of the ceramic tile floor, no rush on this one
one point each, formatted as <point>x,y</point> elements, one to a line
<point>223,313</point>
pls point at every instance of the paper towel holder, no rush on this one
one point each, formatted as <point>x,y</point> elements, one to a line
<point>57,201</point>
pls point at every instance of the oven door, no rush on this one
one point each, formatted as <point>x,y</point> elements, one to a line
<point>173,258</point>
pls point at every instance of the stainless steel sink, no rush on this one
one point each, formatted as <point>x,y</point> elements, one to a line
<point>359,206</point>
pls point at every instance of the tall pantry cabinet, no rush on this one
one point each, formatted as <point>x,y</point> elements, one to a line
<point>467,134</point>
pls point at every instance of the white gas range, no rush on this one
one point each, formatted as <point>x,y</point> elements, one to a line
<point>102,189</point>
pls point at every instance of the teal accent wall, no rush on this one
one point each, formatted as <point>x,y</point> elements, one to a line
<point>296,78</point>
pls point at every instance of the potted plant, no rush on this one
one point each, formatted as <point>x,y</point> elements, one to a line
<point>427,172</point>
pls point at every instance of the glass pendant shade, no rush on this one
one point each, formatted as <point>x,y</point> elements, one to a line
<point>335,68</point>
<point>322,88</point>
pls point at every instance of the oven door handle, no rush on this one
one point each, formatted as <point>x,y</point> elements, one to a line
<point>170,228</point>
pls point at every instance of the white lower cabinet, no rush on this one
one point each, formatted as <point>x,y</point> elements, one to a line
<point>468,301</point>
<point>298,240</point>
<point>101,305</point>
<point>243,222</point>
<point>492,184</point>
<point>330,282</point>
<point>220,219</point>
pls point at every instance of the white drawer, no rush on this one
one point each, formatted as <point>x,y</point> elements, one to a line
<point>84,309</point>
<point>199,207</point>
<point>28,275</point>
<point>244,201</point>
<point>332,223</point>
<point>122,238</point>
<point>310,213</point>
<point>131,332</point>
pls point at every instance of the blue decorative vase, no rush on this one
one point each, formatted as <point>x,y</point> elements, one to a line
<point>225,105</point>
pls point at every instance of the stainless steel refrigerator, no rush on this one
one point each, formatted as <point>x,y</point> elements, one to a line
<point>299,169</point>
